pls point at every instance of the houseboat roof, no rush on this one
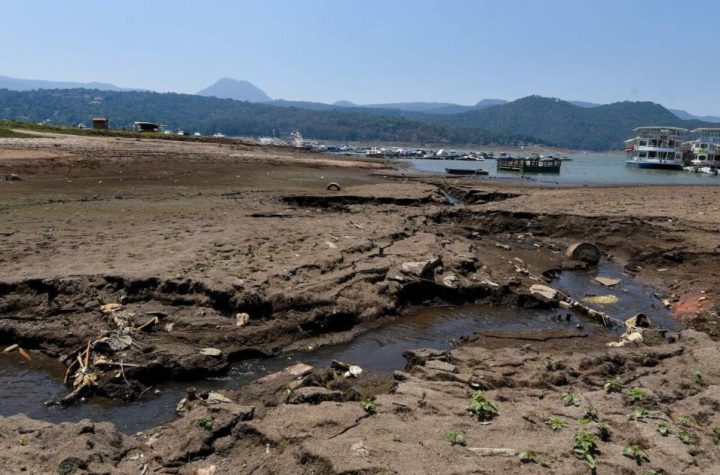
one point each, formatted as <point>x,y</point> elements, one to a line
<point>706,130</point>
<point>660,127</point>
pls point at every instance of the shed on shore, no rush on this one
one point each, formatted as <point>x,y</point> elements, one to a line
<point>100,123</point>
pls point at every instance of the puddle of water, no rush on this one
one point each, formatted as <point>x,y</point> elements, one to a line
<point>633,297</point>
<point>25,386</point>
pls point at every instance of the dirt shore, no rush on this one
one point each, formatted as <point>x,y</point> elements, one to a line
<point>174,260</point>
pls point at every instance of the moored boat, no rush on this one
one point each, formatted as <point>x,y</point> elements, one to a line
<point>656,147</point>
<point>705,148</point>
<point>466,171</point>
<point>529,165</point>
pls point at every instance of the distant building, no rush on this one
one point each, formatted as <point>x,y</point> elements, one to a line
<point>147,127</point>
<point>101,123</point>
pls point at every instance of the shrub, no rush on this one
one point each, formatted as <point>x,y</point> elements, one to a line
<point>456,438</point>
<point>481,407</point>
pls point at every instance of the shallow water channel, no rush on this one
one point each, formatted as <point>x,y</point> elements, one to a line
<point>25,386</point>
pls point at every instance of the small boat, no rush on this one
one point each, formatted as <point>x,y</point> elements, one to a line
<point>529,165</point>
<point>466,171</point>
<point>656,147</point>
<point>375,153</point>
<point>705,150</point>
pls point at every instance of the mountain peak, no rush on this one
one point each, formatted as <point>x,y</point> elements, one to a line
<point>240,90</point>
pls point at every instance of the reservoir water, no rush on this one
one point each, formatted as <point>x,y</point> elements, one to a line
<point>584,169</point>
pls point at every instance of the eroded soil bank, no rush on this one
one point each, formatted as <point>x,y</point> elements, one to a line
<point>184,239</point>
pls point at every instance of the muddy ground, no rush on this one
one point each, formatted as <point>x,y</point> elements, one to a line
<point>243,250</point>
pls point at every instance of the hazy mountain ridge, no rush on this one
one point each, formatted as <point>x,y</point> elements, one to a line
<point>239,90</point>
<point>18,84</point>
<point>601,127</point>
<point>210,115</point>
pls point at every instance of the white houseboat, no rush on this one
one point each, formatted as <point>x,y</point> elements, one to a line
<point>656,147</point>
<point>705,148</point>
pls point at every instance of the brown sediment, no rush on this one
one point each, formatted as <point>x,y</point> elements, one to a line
<point>194,234</point>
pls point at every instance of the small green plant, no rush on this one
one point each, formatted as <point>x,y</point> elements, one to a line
<point>589,416</point>
<point>603,431</point>
<point>636,395</point>
<point>635,452</point>
<point>571,399</point>
<point>684,421</point>
<point>556,423</point>
<point>686,436</point>
<point>698,377</point>
<point>551,364</point>
<point>663,428</point>
<point>206,423</point>
<point>481,407</point>
<point>369,406</point>
<point>456,438</point>
<point>638,414</point>
<point>528,456</point>
<point>586,447</point>
<point>651,471</point>
<point>613,386</point>
<point>23,440</point>
<point>715,434</point>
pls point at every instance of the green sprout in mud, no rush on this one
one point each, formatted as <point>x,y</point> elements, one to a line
<point>551,364</point>
<point>571,399</point>
<point>528,456</point>
<point>613,386</point>
<point>636,395</point>
<point>684,421</point>
<point>639,414</point>
<point>481,407</point>
<point>556,423</point>
<point>686,436</point>
<point>456,438</point>
<point>589,416</point>
<point>369,406</point>
<point>698,377</point>
<point>664,429</point>
<point>603,431</point>
<point>635,452</point>
<point>715,434</point>
<point>206,423</point>
<point>586,447</point>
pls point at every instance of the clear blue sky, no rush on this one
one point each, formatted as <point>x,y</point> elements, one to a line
<point>378,51</point>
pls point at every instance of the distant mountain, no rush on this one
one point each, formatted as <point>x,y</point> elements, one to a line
<point>230,117</point>
<point>227,88</point>
<point>344,104</point>
<point>688,116</point>
<point>16,84</point>
<point>602,127</point>
<point>584,104</point>
<point>485,103</point>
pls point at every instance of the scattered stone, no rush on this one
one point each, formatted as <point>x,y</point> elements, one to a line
<point>565,304</point>
<point>441,366</point>
<point>333,187</point>
<point>502,246</point>
<point>607,281</point>
<point>354,371</point>
<point>331,245</point>
<point>12,177</point>
<point>313,395</point>
<point>299,369</point>
<point>241,319</point>
<point>584,252</point>
<point>544,293</point>
<point>217,398</point>
<point>210,352</point>
<point>113,344</point>
<point>209,470</point>
<point>638,321</point>
<point>358,449</point>
<point>109,308</point>
<point>449,280</point>
<point>419,268</point>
